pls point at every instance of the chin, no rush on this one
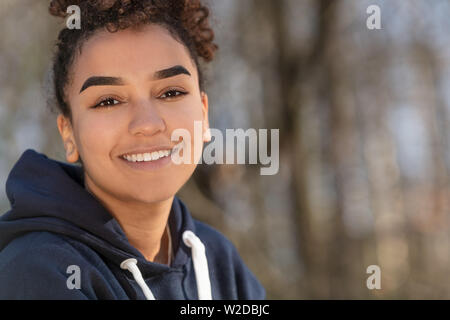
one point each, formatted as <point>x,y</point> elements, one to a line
<point>155,195</point>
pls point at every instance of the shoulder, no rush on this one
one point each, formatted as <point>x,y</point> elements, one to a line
<point>40,246</point>
<point>38,265</point>
<point>33,245</point>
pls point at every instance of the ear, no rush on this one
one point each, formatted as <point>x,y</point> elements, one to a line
<point>205,106</point>
<point>66,132</point>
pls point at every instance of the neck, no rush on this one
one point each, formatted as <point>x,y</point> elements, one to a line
<point>143,223</point>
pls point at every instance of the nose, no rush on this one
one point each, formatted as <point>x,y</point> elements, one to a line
<point>146,120</point>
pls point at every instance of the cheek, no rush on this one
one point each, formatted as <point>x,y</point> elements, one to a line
<point>95,137</point>
<point>184,114</point>
<point>188,117</point>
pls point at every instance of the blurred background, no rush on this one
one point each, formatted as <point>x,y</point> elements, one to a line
<point>364,138</point>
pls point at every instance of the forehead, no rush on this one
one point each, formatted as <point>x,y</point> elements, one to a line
<point>131,52</point>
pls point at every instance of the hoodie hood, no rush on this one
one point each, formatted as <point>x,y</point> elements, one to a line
<point>48,195</point>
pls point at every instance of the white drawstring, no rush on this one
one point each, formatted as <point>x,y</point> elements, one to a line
<point>200,268</point>
<point>200,265</point>
<point>131,265</point>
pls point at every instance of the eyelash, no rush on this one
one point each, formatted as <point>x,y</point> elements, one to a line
<point>178,93</point>
<point>98,105</point>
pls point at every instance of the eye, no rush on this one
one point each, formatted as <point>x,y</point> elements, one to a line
<point>173,93</point>
<point>105,103</point>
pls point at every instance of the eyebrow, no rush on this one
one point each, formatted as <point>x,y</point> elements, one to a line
<point>170,72</point>
<point>115,81</point>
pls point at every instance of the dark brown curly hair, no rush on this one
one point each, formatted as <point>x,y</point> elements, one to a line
<point>186,20</point>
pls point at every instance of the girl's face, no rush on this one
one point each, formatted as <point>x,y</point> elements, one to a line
<point>128,92</point>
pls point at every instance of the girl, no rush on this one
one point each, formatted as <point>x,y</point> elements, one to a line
<point>113,228</point>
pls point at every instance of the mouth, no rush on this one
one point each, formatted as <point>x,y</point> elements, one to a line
<point>151,156</point>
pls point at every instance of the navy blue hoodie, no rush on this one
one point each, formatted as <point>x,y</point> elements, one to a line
<point>56,231</point>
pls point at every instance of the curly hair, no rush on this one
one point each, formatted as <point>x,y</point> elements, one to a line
<point>186,20</point>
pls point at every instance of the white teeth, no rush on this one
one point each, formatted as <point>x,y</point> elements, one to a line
<point>146,157</point>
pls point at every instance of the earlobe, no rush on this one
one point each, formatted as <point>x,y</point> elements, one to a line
<point>71,152</point>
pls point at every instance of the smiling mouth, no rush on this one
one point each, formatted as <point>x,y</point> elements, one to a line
<point>151,156</point>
